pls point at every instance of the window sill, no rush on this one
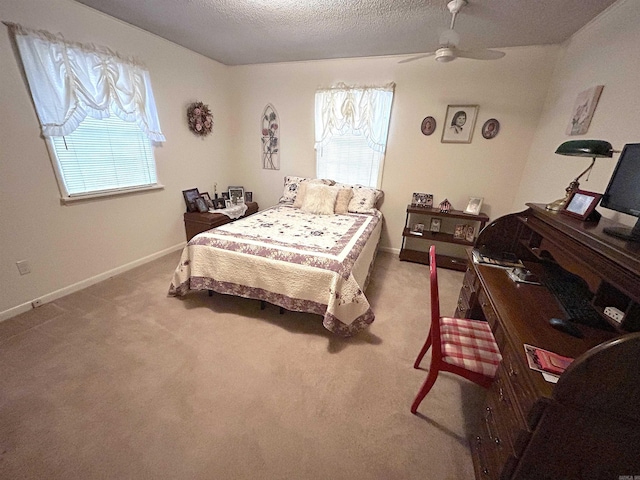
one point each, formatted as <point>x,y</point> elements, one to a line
<point>94,196</point>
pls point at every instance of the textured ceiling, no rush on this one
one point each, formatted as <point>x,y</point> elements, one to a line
<point>238,32</point>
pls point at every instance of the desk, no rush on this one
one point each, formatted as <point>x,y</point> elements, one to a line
<point>521,408</point>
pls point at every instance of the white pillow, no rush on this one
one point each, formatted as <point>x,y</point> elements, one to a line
<point>291,185</point>
<point>302,192</point>
<point>364,199</point>
<point>342,201</point>
<point>319,199</point>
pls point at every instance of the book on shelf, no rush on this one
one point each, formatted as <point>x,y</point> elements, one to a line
<point>503,260</point>
<point>548,363</point>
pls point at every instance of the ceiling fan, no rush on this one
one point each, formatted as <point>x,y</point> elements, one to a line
<point>450,39</point>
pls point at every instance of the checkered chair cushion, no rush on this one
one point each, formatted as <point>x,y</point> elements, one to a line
<point>469,344</point>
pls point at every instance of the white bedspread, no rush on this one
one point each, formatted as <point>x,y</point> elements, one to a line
<point>296,260</point>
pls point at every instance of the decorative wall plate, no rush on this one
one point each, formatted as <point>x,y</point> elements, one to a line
<point>490,128</point>
<point>428,125</point>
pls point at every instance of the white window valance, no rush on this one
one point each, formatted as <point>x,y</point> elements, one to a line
<point>70,81</point>
<point>361,110</point>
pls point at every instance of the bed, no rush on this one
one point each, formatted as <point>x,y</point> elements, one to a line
<point>291,257</point>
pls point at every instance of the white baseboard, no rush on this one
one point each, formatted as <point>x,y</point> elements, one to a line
<point>49,297</point>
<point>395,251</point>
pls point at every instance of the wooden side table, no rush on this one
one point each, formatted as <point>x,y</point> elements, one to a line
<point>196,222</point>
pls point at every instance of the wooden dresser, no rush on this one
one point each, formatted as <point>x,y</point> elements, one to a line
<point>588,425</point>
<point>197,222</point>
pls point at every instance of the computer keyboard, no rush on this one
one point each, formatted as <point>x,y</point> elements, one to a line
<point>574,296</point>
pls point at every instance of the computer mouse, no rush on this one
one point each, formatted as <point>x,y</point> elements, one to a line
<point>566,326</point>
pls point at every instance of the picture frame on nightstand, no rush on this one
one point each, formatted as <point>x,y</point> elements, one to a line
<point>219,203</point>
<point>201,205</point>
<point>236,195</point>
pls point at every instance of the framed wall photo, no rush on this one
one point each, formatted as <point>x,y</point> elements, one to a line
<point>474,205</point>
<point>422,200</point>
<point>582,205</point>
<point>190,198</point>
<point>459,123</point>
<point>583,109</point>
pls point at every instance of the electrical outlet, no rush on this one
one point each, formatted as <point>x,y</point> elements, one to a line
<point>36,303</point>
<point>23,267</point>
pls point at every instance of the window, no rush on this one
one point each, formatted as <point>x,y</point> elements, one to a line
<point>97,112</point>
<point>104,155</point>
<point>352,126</point>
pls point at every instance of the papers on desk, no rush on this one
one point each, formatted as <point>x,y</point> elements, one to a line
<point>504,260</point>
<point>550,364</point>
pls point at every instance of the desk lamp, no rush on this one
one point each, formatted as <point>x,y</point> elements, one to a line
<point>580,148</point>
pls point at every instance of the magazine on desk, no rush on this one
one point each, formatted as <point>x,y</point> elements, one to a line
<point>550,364</point>
<point>505,260</point>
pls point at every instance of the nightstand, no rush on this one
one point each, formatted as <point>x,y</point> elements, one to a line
<point>196,222</point>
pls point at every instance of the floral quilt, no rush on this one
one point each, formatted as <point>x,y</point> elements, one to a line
<point>296,260</point>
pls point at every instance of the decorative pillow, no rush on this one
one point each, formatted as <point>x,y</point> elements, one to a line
<point>302,191</point>
<point>291,185</point>
<point>343,199</point>
<point>319,199</point>
<point>364,199</point>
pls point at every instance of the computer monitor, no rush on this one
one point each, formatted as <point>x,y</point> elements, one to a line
<point>623,192</point>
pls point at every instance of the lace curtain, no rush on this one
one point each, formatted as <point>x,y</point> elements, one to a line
<point>364,110</point>
<point>70,81</point>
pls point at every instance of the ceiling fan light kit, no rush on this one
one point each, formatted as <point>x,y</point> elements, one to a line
<point>449,40</point>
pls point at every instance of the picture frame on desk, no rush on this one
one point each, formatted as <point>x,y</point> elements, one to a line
<point>422,200</point>
<point>207,199</point>
<point>201,205</point>
<point>582,205</point>
<point>474,205</point>
<point>190,198</point>
<point>219,203</point>
<point>460,232</point>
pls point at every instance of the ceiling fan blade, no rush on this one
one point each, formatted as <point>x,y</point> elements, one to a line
<point>480,54</point>
<point>417,57</point>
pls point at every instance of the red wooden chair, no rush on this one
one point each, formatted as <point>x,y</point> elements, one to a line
<point>459,345</point>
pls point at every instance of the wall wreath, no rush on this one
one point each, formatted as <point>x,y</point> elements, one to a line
<point>200,119</point>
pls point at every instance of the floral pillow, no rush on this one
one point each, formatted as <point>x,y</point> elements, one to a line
<point>364,199</point>
<point>291,185</point>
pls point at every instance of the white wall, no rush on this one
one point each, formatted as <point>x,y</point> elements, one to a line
<point>70,244</point>
<point>512,90</point>
<point>605,52</point>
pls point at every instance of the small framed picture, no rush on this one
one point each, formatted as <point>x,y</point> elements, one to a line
<point>581,204</point>
<point>190,198</point>
<point>236,195</point>
<point>225,195</point>
<point>470,233</point>
<point>228,204</point>
<point>207,199</point>
<point>435,225</point>
<point>417,229</point>
<point>422,200</point>
<point>201,205</point>
<point>459,123</point>
<point>474,205</point>
<point>248,196</point>
<point>460,232</point>
<point>218,203</point>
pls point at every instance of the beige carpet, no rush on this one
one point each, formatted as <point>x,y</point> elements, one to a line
<point>120,381</point>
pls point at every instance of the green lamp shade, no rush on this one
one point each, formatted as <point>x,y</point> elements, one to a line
<point>586,148</point>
